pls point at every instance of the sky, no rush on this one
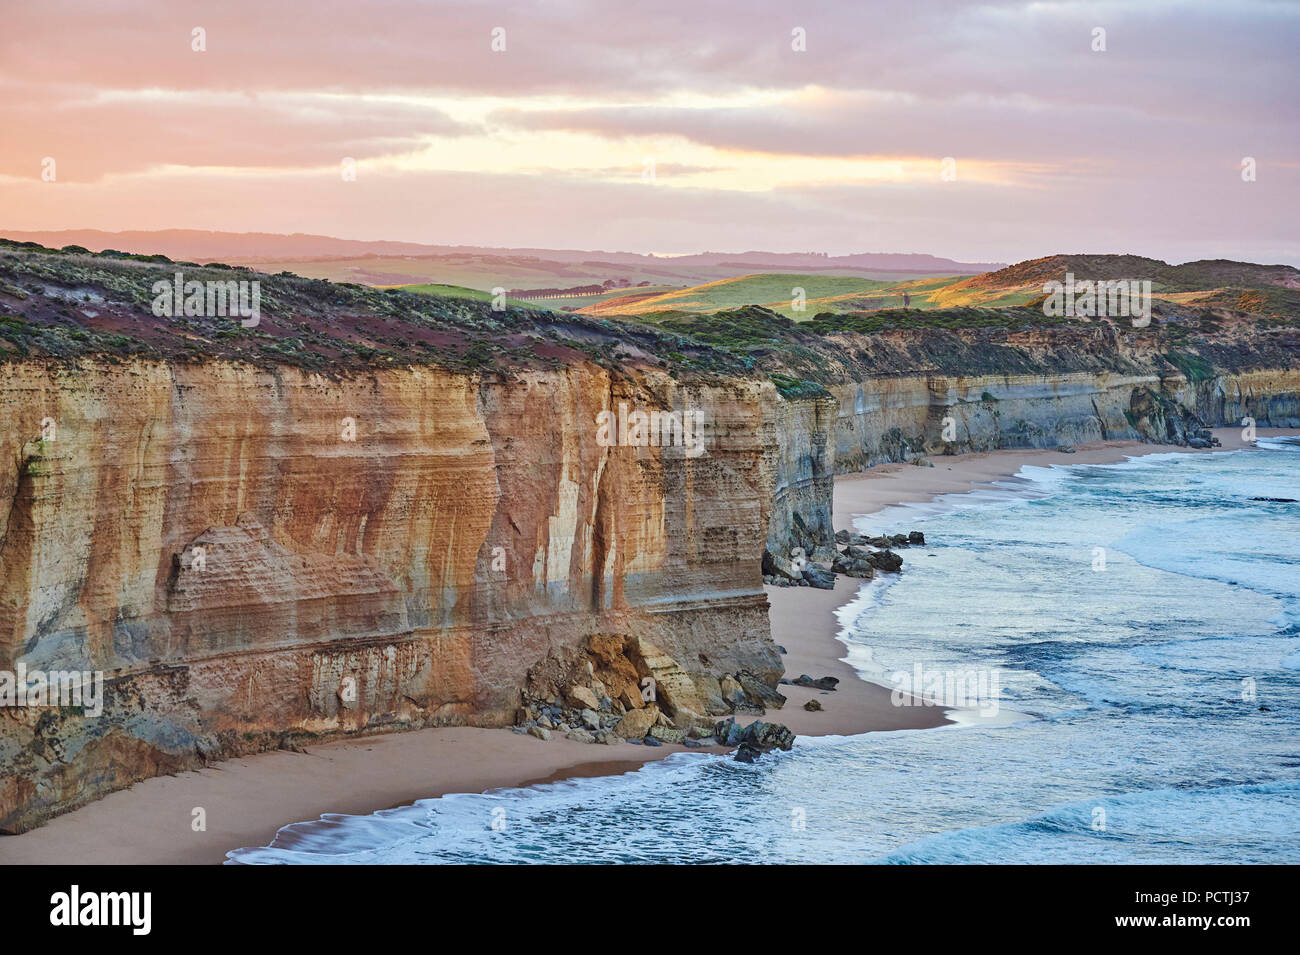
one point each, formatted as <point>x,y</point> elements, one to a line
<point>978,131</point>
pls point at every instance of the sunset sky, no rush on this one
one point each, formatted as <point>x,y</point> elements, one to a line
<point>755,145</point>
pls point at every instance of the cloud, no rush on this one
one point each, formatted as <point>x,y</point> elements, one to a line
<point>91,134</point>
<point>834,148</point>
<point>949,219</point>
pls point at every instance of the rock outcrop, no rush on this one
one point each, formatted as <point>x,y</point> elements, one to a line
<point>753,740</point>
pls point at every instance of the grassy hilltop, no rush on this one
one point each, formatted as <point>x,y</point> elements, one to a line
<point>1271,290</point>
<point>64,304</point>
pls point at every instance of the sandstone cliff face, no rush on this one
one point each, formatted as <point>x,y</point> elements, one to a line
<point>253,556</point>
<point>805,434</point>
<point>892,395</point>
<point>898,418</point>
<point>1044,387</point>
<point>1271,396</point>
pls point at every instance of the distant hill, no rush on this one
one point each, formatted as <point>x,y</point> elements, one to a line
<point>484,267</point>
<point>640,285</point>
<point>776,291</point>
<point>1206,273</point>
<point>459,291</point>
<point>1217,283</point>
<point>1243,286</point>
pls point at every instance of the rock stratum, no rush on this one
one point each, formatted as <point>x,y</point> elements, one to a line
<point>205,536</point>
<point>898,394</point>
<point>377,511</point>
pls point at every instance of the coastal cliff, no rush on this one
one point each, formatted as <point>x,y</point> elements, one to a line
<point>910,395</point>
<point>235,560</point>
<point>279,539</point>
<point>374,510</point>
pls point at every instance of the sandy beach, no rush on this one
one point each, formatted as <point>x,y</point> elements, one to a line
<point>888,484</point>
<point>247,800</point>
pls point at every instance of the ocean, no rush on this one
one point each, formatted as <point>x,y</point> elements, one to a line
<point>1142,621</point>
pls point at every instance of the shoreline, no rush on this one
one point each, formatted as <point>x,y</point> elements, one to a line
<point>248,799</point>
<point>889,485</point>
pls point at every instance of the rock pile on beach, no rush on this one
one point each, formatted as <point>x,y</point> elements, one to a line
<point>851,555</point>
<point>619,688</point>
<point>753,740</point>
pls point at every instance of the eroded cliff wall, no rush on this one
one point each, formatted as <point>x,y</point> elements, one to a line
<point>895,419</point>
<point>901,396</point>
<point>256,556</point>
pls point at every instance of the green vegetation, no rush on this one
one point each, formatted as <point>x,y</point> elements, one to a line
<point>70,304</point>
<point>578,302</point>
<point>62,304</point>
<point>823,294</point>
<point>460,291</point>
<point>1194,367</point>
<point>789,387</point>
<point>774,291</point>
<point>949,318</point>
<point>1242,287</point>
<point>1272,301</point>
<point>741,327</point>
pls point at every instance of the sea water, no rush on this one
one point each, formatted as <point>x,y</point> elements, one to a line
<point>1144,621</point>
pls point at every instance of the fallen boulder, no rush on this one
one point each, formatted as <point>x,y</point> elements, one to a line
<point>733,693</point>
<point>821,683</point>
<point>819,577</point>
<point>886,560</point>
<point>859,569</point>
<point>636,723</point>
<point>666,734</point>
<point>756,738</point>
<point>759,693</point>
<point>582,697</point>
<point>673,686</point>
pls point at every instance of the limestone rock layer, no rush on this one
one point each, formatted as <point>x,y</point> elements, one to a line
<point>255,557</point>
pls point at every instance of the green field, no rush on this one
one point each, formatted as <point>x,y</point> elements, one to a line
<point>460,291</point>
<point>481,272</point>
<point>489,271</point>
<point>823,293</point>
<point>1193,285</point>
<point>583,301</point>
<point>525,271</point>
<point>773,290</point>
